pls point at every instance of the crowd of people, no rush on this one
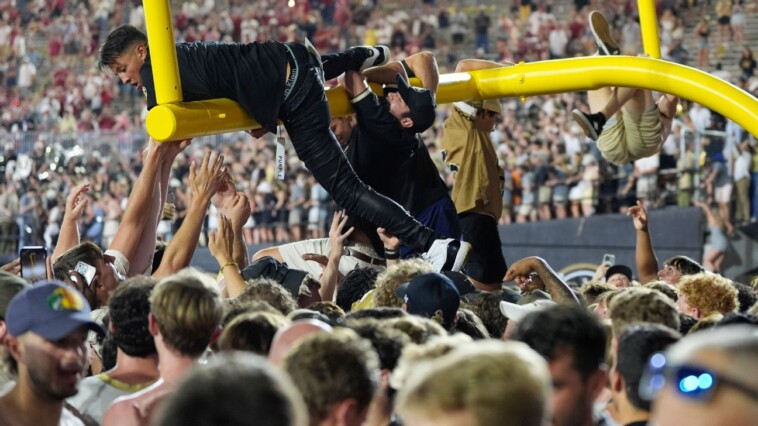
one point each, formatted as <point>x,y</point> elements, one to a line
<point>51,93</point>
<point>398,308</point>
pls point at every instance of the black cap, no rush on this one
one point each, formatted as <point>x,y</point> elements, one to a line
<point>619,269</point>
<point>268,267</point>
<point>421,104</point>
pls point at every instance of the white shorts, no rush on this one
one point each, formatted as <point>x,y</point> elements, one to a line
<point>723,194</point>
<point>292,254</point>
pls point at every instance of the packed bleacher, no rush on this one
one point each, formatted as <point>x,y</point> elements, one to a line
<point>369,315</point>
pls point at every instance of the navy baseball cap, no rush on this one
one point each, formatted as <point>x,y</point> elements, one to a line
<point>421,103</point>
<point>49,309</point>
<point>432,296</point>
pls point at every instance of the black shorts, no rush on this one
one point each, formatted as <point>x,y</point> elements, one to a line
<point>486,263</point>
<point>725,20</point>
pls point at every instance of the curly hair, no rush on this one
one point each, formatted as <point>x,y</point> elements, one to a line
<point>487,308</point>
<point>129,307</point>
<point>591,290</point>
<point>268,290</point>
<point>471,325</point>
<point>419,330</point>
<point>709,293</point>
<point>354,286</point>
<point>330,309</point>
<point>395,276</point>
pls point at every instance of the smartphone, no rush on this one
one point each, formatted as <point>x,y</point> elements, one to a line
<point>610,259</point>
<point>87,271</point>
<point>33,263</point>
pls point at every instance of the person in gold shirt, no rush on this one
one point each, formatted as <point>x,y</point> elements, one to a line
<point>477,189</point>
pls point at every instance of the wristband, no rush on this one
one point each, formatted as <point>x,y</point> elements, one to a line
<point>390,254</point>
<point>235,264</point>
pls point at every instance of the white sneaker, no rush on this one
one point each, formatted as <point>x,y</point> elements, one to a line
<point>448,254</point>
<point>380,55</point>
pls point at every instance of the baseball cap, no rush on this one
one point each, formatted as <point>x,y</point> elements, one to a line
<point>50,309</point>
<point>460,281</point>
<point>10,285</point>
<point>489,105</point>
<point>619,269</point>
<point>432,296</point>
<point>421,103</point>
<point>268,267</point>
<point>517,312</point>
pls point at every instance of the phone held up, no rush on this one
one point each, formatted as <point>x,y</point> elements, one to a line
<point>609,259</point>
<point>33,263</point>
<point>87,272</point>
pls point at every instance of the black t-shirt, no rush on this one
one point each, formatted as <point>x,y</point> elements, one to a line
<point>393,161</point>
<point>252,74</point>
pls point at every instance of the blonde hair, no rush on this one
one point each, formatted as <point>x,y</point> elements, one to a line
<point>641,304</point>
<point>709,293</point>
<point>495,383</point>
<point>187,308</point>
<point>395,276</point>
<point>415,354</point>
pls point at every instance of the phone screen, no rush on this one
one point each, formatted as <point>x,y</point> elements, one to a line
<point>610,259</point>
<point>33,263</point>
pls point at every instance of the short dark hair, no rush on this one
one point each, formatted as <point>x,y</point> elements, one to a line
<point>129,306</point>
<point>252,332</point>
<point>565,327</point>
<point>685,265</point>
<point>738,318</point>
<point>388,343</point>
<point>354,286</point>
<point>746,297</point>
<point>233,388</point>
<point>117,42</point>
<point>330,309</point>
<point>635,346</point>
<point>487,307</point>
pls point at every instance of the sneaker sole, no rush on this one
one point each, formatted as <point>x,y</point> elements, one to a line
<point>371,62</point>
<point>585,124</point>
<point>602,32</point>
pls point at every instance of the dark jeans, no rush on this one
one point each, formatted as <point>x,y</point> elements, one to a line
<point>306,117</point>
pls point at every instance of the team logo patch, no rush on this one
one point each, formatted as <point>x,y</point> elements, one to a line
<point>63,298</point>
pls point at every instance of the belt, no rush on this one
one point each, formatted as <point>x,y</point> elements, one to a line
<point>347,251</point>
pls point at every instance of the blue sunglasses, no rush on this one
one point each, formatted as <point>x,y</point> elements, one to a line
<point>690,381</point>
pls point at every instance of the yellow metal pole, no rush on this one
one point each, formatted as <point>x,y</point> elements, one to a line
<point>192,119</point>
<point>160,38</point>
<point>649,26</point>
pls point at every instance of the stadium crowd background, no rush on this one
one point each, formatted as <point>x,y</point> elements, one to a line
<point>64,121</point>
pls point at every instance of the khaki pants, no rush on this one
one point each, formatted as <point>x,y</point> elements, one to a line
<point>742,213</point>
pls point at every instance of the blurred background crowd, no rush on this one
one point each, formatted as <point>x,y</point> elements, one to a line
<point>63,120</point>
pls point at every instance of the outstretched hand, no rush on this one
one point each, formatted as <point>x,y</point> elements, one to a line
<point>238,211</point>
<point>76,202</point>
<point>390,242</point>
<point>639,216</point>
<point>221,243</point>
<point>206,181</point>
<point>336,235</point>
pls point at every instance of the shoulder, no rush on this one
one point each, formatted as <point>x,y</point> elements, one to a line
<point>120,412</point>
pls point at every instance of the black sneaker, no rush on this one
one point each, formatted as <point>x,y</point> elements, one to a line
<point>377,55</point>
<point>606,45</point>
<point>592,124</point>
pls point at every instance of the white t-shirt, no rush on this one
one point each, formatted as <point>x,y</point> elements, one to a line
<point>96,393</point>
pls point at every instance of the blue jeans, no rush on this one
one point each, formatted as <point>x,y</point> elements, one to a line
<point>754,194</point>
<point>306,116</point>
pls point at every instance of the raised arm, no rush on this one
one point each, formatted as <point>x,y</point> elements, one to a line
<point>647,263</point>
<point>239,212</point>
<point>558,289</point>
<point>203,183</point>
<point>331,276</point>
<point>466,65</point>
<point>221,246</point>
<point>68,238</point>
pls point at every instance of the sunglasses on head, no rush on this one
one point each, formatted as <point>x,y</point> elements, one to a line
<point>691,381</point>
